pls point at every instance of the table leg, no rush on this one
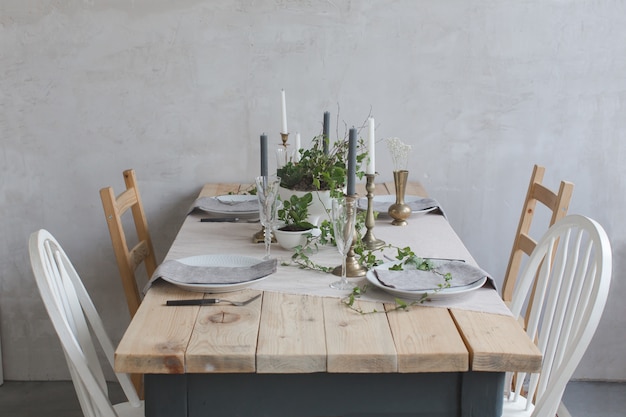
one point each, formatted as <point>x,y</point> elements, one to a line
<point>478,391</point>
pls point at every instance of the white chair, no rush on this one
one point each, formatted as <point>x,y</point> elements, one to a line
<point>72,313</point>
<point>572,262</point>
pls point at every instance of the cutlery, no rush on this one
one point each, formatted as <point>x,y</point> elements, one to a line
<point>209,301</point>
<point>220,219</point>
<point>227,219</point>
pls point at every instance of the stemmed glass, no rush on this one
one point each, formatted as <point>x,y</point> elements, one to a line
<point>267,192</point>
<point>343,219</point>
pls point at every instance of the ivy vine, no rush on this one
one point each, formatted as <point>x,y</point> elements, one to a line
<point>369,259</point>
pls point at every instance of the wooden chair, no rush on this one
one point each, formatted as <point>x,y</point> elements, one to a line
<point>558,203</point>
<point>571,267</point>
<point>129,260</point>
<point>72,313</point>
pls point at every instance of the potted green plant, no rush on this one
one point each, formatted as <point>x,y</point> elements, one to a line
<point>294,217</point>
<point>322,173</point>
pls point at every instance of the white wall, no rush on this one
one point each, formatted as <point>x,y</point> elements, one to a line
<point>181,90</point>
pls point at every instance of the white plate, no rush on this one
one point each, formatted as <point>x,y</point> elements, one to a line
<point>239,204</point>
<point>219,260</point>
<point>416,295</point>
<point>381,203</point>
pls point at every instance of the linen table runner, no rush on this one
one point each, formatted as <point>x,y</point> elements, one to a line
<point>428,235</point>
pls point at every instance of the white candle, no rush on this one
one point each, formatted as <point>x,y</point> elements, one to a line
<point>371,148</point>
<point>284,113</point>
<point>298,145</point>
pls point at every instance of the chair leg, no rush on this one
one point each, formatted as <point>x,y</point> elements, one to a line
<point>137,380</point>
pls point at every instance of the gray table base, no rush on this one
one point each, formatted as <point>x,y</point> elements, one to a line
<point>464,394</point>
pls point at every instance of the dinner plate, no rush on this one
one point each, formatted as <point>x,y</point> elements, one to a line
<point>239,204</point>
<point>416,295</point>
<point>381,203</point>
<point>219,260</point>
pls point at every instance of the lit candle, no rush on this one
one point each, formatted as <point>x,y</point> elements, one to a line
<point>264,155</point>
<point>371,148</point>
<point>298,146</point>
<point>326,132</point>
<point>284,113</point>
<point>351,162</point>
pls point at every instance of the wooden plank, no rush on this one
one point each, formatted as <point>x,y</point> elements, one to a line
<point>496,343</point>
<point>291,336</point>
<point>412,188</point>
<point>210,190</point>
<point>427,340</point>
<point>157,337</point>
<point>224,338</point>
<point>358,343</point>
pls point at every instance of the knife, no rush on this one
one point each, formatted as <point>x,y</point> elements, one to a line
<point>220,219</point>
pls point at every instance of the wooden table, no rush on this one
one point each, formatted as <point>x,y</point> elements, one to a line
<point>301,355</point>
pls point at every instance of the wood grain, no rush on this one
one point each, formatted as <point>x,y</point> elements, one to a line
<point>358,343</point>
<point>496,343</point>
<point>291,339</point>
<point>426,340</point>
<point>157,337</point>
<point>224,338</point>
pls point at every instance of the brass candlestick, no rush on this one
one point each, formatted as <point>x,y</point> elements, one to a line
<point>285,138</point>
<point>400,211</point>
<point>353,268</point>
<point>369,240</point>
<point>259,237</point>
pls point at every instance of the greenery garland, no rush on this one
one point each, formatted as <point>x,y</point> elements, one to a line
<point>366,257</point>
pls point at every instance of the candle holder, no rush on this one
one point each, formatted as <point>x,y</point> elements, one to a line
<point>353,268</point>
<point>369,240</point>
<point>259,237</point>
<point>399,210</point>
<point>284,137</point>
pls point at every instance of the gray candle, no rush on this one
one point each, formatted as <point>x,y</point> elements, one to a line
<point>326,131</point>
<point>351,162</point>
<point>264,155</point>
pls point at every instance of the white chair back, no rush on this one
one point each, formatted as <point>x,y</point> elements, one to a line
<point>72,313</point>
<point>573,266</point>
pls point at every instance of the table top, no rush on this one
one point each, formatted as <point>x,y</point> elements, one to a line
<point>283,332</point>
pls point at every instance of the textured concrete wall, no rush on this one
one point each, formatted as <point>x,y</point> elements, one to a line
<point>181,90</point>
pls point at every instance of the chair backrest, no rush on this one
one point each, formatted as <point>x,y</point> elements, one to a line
<point>128,260</point>
<point>523,243</point>
<point>72,313</point>
<point>571,265</point>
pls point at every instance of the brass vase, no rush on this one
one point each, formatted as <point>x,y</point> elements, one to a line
<point>400,211</point>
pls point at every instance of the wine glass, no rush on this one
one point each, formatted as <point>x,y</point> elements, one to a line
<point>343,220</point>
<point>267,192</point>
<point>284,156</point>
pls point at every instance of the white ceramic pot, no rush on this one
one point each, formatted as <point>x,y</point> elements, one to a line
<point>320,206</point>
<point>290,240</point>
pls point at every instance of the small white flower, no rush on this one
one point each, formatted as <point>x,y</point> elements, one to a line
<point>399,153</point>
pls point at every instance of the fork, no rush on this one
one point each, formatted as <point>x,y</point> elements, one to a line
<point>209,301</point>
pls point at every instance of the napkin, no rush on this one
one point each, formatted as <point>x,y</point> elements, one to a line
<point>221,205</point>
<point>177,272</point>
<point>418,280</point>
